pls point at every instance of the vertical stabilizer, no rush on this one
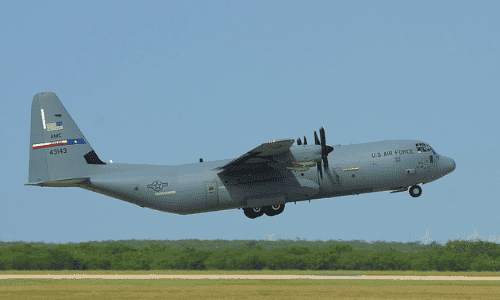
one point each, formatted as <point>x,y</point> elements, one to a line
<point>58,149</point>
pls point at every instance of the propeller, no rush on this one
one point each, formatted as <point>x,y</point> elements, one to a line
<point>325,149</point>
<point>299,141</point>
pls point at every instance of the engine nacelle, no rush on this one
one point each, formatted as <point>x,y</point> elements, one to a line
<point>306,153</point>
<point>306,156</point>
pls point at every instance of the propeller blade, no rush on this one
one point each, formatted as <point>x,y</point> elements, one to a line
<point>325,149</point>
<point>299,142</point>
<point>316,140</point>
<point>305,140</point>
<point>322,136</point>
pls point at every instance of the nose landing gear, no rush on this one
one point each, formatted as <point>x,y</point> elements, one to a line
<point>272,210</point>
<point>415,191</point>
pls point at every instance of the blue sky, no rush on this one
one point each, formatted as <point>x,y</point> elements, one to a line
<point>168,82</point>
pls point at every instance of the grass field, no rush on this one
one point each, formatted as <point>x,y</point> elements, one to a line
<point>248,289</point>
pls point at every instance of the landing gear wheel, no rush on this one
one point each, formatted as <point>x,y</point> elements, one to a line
<point>274,210</point>
<point>415,191</point>
<point>253,212</point>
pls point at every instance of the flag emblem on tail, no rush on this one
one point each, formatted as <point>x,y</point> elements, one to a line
<point>54,126</point>
<point>59,143</point>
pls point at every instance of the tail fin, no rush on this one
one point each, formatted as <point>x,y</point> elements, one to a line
<point>58,149</point>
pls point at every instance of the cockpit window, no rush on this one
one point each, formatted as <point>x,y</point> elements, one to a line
<point>422,147</point>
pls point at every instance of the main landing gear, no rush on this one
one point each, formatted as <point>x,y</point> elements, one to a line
<point>271,210</point>
<point>415,191</point>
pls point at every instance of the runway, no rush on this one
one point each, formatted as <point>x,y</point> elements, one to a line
<point>255,277</point>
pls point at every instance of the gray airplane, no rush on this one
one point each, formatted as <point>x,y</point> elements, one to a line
<point>260,181</point>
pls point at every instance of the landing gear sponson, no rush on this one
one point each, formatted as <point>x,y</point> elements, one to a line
<point>415,191</point>
<point>272,210</point>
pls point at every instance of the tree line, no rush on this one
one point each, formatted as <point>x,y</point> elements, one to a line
<point>250,255</point>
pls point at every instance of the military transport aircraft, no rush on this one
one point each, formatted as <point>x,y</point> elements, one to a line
<point>260,181</point>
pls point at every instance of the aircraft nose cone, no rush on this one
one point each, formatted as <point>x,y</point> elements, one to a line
<point>450,164</point>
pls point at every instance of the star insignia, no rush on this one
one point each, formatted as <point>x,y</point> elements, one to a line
<point>157,185</point>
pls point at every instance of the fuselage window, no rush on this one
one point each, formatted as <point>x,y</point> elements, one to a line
<point>431,158</point>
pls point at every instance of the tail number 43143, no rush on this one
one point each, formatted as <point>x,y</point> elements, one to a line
<point>58,151</point>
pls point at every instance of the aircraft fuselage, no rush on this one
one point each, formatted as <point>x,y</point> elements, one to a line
<point>193,188</point>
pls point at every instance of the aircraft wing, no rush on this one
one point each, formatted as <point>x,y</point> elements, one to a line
<point>274,154</point>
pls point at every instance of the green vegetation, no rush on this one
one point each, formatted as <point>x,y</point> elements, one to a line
<point>251,255</point>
